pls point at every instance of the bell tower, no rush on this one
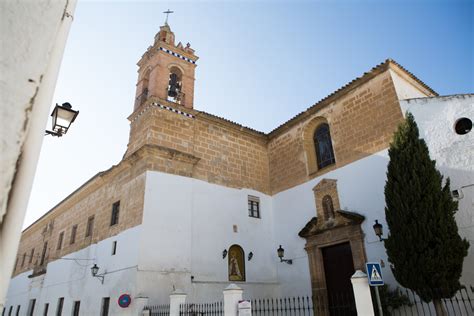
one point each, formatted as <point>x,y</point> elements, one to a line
<point>165,80</point>
<point>166,71</point>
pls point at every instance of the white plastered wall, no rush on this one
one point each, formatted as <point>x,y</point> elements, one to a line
<point>33,38</point>
<point>72,279</point>
<point>454,155</point>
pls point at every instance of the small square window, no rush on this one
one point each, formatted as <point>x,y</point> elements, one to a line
<point>254,206</point>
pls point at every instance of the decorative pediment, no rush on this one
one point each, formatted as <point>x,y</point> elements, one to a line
<point>341,219</point>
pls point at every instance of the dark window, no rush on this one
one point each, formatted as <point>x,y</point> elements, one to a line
<point>114,248</point>
<point>115,213</point>
<point>254,206</point>
<point>32,254</point>
<point>45,311</point>
<point>75,310</point>
<point>18,310</point>
<point>90,226</point>
<point>73,234</point>
<point>59,309</point>
<point>60,241</point>
<point>43,255</point>
<point>328,207</point>
<point>463,126</point>
<point>105,306</point>
<point>10,311</point>
<point>23,260</point>
<point>31,307</point>
<point>323,146</point>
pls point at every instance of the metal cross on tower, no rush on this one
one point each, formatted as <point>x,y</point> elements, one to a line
<point>167,12</point>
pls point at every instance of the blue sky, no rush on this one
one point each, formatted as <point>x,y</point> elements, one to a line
<point>261,63</point>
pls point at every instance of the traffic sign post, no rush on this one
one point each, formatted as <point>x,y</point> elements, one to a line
<point>374,274</point>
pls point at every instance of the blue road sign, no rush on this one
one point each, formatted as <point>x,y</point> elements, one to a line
<point>374,274</point>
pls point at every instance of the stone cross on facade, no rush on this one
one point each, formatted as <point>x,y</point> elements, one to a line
<point>167,12</point>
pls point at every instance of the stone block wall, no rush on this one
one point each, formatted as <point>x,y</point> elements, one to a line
<point>95,198</point>
<point>361,123</point>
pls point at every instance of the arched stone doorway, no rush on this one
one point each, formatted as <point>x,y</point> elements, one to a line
<point>335,250</point>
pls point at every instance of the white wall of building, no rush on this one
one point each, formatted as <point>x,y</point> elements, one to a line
<point>33,38</point>
<point>72,279</point>
<point>454,155</point>
<point>403,88</point>
<point>187,224</point>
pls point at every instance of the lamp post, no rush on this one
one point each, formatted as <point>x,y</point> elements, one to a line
<point>95,270</point>
<point>63,115</point>
<point>281,254</point>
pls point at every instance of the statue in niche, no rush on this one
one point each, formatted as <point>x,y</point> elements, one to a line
<point>236,264</point>
<point>328,208</point>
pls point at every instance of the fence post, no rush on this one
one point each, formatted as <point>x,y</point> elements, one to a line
<point>177,297</point>
<point>138,303</point>
<point>363,299</point>
<point>232,296</point>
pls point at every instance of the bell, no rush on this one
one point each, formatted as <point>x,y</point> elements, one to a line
<point>172,93</point>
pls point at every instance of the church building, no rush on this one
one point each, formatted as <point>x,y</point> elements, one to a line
<point>199,202</point>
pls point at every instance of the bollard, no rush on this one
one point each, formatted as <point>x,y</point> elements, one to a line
<point>177,297</point>
<point>363,299</point>
<point>232,296</point>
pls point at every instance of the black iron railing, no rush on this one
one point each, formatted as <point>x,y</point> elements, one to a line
<point>201,309</point>
<point>158,310</point>
<point>461,304</point>
<point>302,305</point>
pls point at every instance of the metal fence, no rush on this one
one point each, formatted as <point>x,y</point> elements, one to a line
<point>158,310</point>
<point>283,306</point>
<point>461,304</point>
<point>201,309</point>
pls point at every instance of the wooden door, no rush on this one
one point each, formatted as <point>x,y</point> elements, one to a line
<point>338,269</point>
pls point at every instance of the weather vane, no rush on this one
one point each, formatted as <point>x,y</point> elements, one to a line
<point>167,12</point>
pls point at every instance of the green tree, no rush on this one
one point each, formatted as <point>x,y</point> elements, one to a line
<point>424,248</point>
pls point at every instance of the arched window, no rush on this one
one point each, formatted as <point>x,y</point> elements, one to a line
<point>323,146</point>
<point>236,263</point>
<point>328,207</point>
<point>174,85</point>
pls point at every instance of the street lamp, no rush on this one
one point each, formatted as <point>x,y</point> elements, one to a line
<point>281,254</point>
<point>378,229</point>
<point>63,115</point>
<point>94,271</point>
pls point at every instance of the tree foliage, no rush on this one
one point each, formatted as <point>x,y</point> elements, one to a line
<point>424,248</point>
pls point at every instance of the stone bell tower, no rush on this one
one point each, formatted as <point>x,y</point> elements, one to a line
<point>165,80</point>
<point>166,71</point>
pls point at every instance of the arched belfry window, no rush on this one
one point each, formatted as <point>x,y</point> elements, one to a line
<point>236,262</point>
<point>328,207</point>
<point>323,146</point>
<point>174,85</point>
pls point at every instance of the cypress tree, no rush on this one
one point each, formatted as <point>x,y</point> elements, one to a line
<point>424,248</point>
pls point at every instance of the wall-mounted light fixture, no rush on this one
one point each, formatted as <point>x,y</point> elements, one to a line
<point>224,253</point>
<point>458,194</point>
<point>250,256</point>
<point>378,229</point>
<point>95,270</point>
<point>63,115</point>
<point>281,254</point>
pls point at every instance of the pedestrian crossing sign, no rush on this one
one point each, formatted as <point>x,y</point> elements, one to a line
<point>374,274</point>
